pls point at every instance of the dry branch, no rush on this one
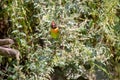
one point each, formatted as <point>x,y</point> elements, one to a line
<point>6,42</point>
<point>5,49</point>
<point>8,52</point>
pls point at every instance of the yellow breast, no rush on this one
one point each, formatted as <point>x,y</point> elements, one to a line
<point>55,33</point>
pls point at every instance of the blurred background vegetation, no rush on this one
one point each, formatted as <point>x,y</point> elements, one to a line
<point>88,47</point>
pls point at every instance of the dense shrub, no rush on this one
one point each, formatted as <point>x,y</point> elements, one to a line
<point>88,46</point>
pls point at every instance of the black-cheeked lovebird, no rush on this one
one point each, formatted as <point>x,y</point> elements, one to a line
<point>54,32</point>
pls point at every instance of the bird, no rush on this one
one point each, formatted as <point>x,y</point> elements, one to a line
<point>54,32</point>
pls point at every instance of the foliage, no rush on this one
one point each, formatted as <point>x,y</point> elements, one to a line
<point>89,42</point>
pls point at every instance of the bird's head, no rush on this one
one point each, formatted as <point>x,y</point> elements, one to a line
<point>53,25</point>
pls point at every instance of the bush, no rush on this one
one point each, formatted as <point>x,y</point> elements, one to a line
<point>88,46</point>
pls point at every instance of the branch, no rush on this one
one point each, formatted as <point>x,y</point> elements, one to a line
<point>8,52</point>
<point>6,42</point>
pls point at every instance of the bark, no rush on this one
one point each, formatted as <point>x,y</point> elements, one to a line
<point>6,51</point>
<point>6,42</point>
